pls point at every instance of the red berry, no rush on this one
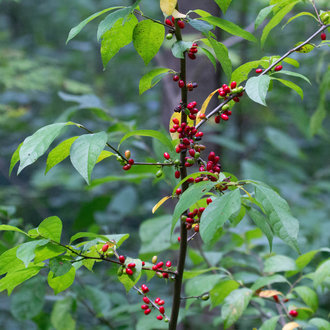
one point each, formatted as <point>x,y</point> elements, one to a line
<point>105,247</point>
<point>211,156</point>
<point>181,83</point>
<point>196,228</point>
<point>236,99</point>
<point>161,309</point>
<point>323,36</point>
<point>146,300</point>
<point>192,117</point>
<point>172,130</point>
<point>143,263</point>
<point>191,55</point>
<point>176,77</point>
<point>154,267</point>
<point>168,264</point>
<point>276,298</point>
<point>147,311</point>
<point>160,264</point>
<point>209,200</point>
<point>176,121</point>
<point>131,161</point>
<point>217,119</point>
<point>129,271</point>
<point>192,152</point>
<point>159,317</point>
<point>181,24</point>
<point>157,300</point>
<point>199,134</point>
<point>193,50</point>
<point>167,155</point>
<point>194,44</point>
<point>161,302</point>
<point>202,116</point>
<point>278,68</point>
<point>144,307</point>
<point>126,167</point>
<point>293,313</point>
<point>165,275</point>
<point>131,265</point>
<point>121,259</point>
<point>168,22</point>
<point>179,239</point>
<point>224,117</point>
<point>179,191</point>
<point>144,288</point>
<point>227,90</point>
<point>233,84</point>
<point>221,92</point>
<point>258,70</point>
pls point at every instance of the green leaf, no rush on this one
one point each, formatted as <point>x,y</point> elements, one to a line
<point>270,324</point>
<point>266,280</point>
<point>283,224</point>
<point>11,228</point>
<point>223,4</point>
<point>48,251</point>
<point>25,251</point>
<point>135,178</point>
<point>110,20</point>
<point>85,152</point>
<point>149,79</point>
<point>37,144</point>
<point>59,153</point>
<point>188,274</point>
<point>75,30</point>
<point>51,228</point>
<point>302,261</point>
<point>221,291</point>
<point>257,87</point>
<point>263,13</point>
<point>322,272</point>
<point>217,213</point>
<point>293,74</point>
<point>308,296</point>
<point>120,35</point>
<point>321,112</point>
<point>119,239</point>
<point>279,263</point>
<point>291,61</point>
<point>229,27</point>
<point>210,56</point>
<point>242,72</point>
<point>304,13</point>
<point>148,37</point>
<point>221,53</point>
<point>179,47</point>
<point>277,18</point>
<point>14,159</point>
<point>59,266</point>
<point>11,280</point>
<point>202,284</point>
<point>200,25</point>
<point>104,154</point>
<point>155,235</point>
<point>291,85</point>
<point>193,194</point>
<point>130,280</point>
<point>150,133</point>
<point>234,306</point>
<point>29,300</point>
<point>9,262</point>
<point>305,48</point>
<point>260,220</point>
<point>282,142</point>
<point>319,323</point>
<point>61,318</point>
<point>61,283</point>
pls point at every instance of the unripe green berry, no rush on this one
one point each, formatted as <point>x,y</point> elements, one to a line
<point>177,162</point>
<point>205,296</point>
<point>169,36</point>
<point>240,89</point>
<point>225,107</point>
<point>234,91</point>
<point>197,154</point>
<point>159,173</point>
<point>154,259</point>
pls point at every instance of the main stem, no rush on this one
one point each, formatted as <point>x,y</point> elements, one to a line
<point>183,230</point>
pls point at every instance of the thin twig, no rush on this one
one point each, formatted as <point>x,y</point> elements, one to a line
<point>152,19</point>
<point>316,11</point>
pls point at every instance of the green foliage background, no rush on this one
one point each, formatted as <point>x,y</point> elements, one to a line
<point>42,80</point>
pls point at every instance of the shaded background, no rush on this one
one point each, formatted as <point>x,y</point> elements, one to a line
<point>43,80</point>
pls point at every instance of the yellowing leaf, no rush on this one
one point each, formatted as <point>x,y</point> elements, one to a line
<point>168,6</point>
<point>177,14</point>
<point>177,115</point>
<point>291,326</point>
<point>204,106</point>
<point>103,155</point>
<point>162,201</point>
<point>269,293</point>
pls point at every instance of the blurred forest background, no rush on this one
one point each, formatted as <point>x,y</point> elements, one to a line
<point>43,80</point>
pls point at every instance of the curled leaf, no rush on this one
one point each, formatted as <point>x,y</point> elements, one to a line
<point>162,201</point>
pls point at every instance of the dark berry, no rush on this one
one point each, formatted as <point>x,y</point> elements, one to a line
<point>217,119</point>
<point>323,36</point>
<point>181,24</point>
<point>191,55</point>
<point>177,174</point>
<point>131,161</point>
<point>181,83</point>
<point>126,167</point>
<point>121,259</point>
<point>168,22</point>
<point>176,77</point>
<point>233,84</point>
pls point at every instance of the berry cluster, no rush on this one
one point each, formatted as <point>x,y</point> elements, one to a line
<point>193,51</point>
<point>192,219</point>
<point>158,267</point>
<point>171,22</point>
<point>277,68</point>
<point>190,86</point>
<point>147,305</point>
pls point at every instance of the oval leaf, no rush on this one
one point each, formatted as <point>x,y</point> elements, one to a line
<point>85,152</point>
<point>168,6</point>
<point>150,79</point>
<point>221,53</point>
<point>148,37</point>
<point>257,87</point>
